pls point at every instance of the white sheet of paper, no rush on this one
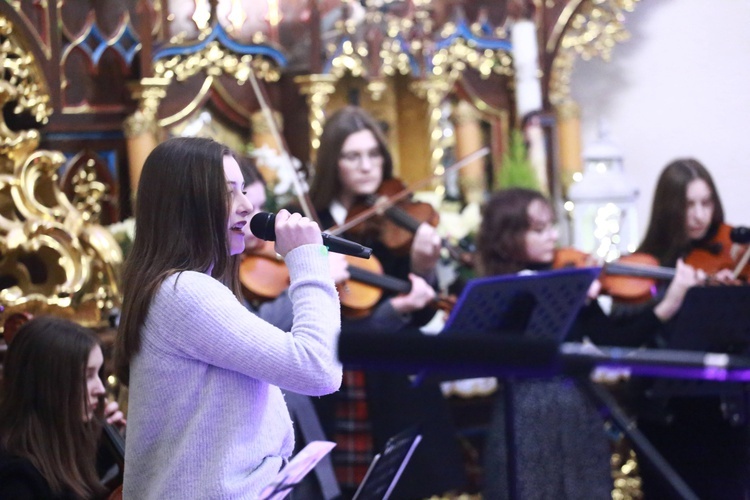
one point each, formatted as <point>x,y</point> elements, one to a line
<point>302,463</point>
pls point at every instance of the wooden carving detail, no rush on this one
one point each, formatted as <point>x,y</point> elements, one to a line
<point>52,258</point>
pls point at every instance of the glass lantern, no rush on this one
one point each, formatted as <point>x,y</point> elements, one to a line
<point>602,203</point>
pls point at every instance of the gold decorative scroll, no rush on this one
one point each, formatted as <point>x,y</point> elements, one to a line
<point>52,259</point>
<point>434,91</point>
<point>23,74</point>
<point>318,90</point>
<point>215,60</point>
<point>585,28</point>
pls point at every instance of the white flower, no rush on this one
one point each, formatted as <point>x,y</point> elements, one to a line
<point>459,225</point>
<point>284,166</point>
<point>124,229</point>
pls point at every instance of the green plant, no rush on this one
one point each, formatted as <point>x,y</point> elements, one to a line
<point>516,169</point>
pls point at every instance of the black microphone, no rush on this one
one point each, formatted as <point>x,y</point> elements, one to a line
<point>263,226</point>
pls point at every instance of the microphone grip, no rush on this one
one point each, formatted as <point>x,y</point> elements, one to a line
<point>347,247</point>
<point>263,226</point>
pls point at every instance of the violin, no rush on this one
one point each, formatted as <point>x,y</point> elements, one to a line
<point>264,276</point>
<point>631,278</point>
<point>720,252</point>
<point>114,441</point>
<point>366,284</point>
<point>263,273</point>
<point>394,225</point>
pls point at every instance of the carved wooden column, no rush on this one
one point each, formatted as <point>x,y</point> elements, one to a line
<point>569,141</point>
<point>141,129</point>
<point>468,140</point>
<point>318,88</point>
<point>434,89</point>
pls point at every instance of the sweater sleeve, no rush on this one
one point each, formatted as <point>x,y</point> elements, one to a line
<point>199,318</point>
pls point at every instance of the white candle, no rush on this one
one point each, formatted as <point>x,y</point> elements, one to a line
<point>526,62</point>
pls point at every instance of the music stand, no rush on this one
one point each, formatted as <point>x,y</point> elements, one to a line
<point>540,305</point>
<point>544,306</point>
<point>713,319</point>
<point>386,467</point>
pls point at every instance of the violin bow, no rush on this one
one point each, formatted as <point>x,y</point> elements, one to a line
<point>302,195</point>
<point>382,206</point>
<point>741,263</point>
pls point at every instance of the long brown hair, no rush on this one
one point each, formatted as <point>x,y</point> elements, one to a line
<point>326,184</point>
<point>181,215</point>
<point>666,237</point>
<point>501,246</point>
<point>43,402</point>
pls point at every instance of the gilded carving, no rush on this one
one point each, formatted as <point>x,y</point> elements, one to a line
<point>22,72</point>
<point>434,90</point>
<point>215,60</point>
<point>89,192</point>
<point>52,259</point>
<point>586,28</point>
<point>318,90</point>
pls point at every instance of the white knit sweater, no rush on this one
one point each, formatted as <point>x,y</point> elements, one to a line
<point>206,416</point>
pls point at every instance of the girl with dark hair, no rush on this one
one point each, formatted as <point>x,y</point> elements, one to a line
<point>685,214</point>
<point>51,391</point>
<point>561,448</point>
<point>352,162</point>
<point>207,418</point>
<point>279,312</point>
<point>512,220</point>
<point>696,435</point>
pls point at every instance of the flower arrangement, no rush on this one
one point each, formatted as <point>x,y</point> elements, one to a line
<point>279,171</point>
<point>124,234</point>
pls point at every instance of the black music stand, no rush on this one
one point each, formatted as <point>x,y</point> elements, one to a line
<point>714,319</point>
<point>538,306</point>
<point>542,306</point>
<point>386,467</point>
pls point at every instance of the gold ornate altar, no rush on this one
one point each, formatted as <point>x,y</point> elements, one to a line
<point>55,258</point>
<point>89,88</point>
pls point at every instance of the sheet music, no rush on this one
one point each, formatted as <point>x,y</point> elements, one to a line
<point>302,463</point>
<point>387,467</point>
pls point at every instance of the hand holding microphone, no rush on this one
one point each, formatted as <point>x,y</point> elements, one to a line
<point>263,226</point>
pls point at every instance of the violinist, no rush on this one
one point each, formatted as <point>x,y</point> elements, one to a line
<point>279,312</point>
<point>559,432</point>
<point>686,219</point>
<point>692,433</point>
<point>276,310</point>
<point>50,412</point>
<point>353,162</point>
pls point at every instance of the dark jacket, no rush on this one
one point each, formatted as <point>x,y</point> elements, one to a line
<point>20,480</point>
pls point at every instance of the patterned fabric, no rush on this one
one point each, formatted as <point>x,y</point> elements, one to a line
<point>560,447</point>
<point>352,431</point>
